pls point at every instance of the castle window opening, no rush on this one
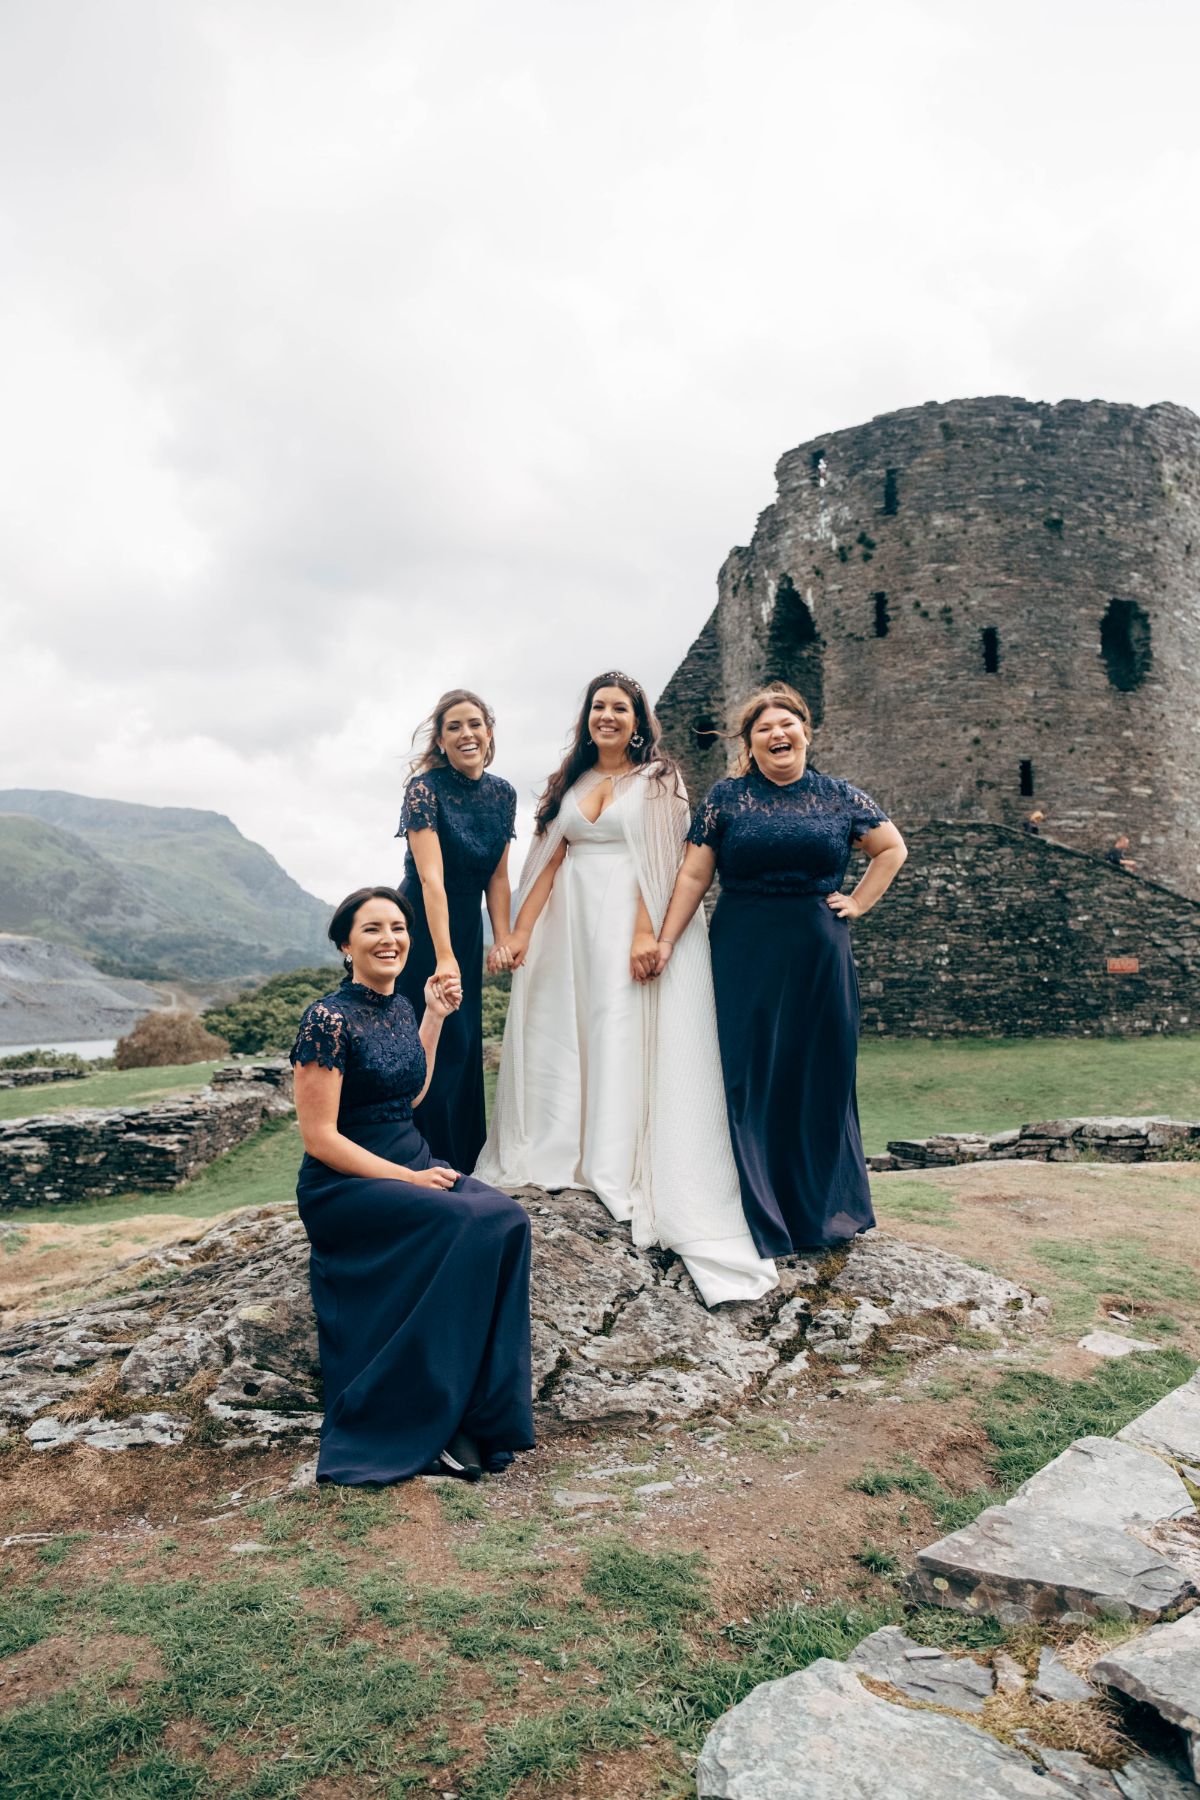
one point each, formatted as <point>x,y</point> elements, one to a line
<point>705,732</point>
<point>991,651</point>
<point>1026,778</point>
<point>881,614</point>
<point>793,648</point>
<point>1125,644</point>
<point>891,492</point>
<point>818,466</point>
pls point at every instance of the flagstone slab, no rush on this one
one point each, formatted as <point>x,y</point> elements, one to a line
<point>922,1673</point>
<point>1161,1668</point>
<point>1020,1565</point>
<point>822,1735</point>
<point>1107,1483</point>
<point>1172,1427</point>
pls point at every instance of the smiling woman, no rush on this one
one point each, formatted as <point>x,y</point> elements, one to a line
<point>420,1275</point>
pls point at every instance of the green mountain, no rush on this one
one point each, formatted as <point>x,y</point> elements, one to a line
<point>151,891</point>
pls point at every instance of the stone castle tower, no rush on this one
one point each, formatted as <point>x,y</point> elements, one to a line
<point>992,606</point>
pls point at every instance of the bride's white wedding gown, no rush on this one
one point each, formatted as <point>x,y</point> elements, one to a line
<point>614,1086</point>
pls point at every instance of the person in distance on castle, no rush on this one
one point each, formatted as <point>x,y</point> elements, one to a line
<point>605,1084</point>
<point>420,1275</point>
<point>780,835</point>
<point>458,820</point>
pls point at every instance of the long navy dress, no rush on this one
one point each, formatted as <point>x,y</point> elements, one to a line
<point>787,1002</point>
<point>474,820</point>
<point>421,1294</point>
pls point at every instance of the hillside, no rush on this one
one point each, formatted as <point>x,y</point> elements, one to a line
<point>48,993</point>
<point>150,891</point>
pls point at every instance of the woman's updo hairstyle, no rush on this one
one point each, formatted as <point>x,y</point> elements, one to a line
<point>776,693</point>
<point>343,919</point>
<point>430,754</point>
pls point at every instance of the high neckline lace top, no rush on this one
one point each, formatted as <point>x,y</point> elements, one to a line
<point>794,839</point>
<point>372,1039</point>
<point>473,819</point>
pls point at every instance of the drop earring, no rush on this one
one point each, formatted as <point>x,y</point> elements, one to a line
<point>348,964</point>
<point>636,741</point>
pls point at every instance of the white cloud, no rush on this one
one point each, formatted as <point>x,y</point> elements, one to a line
<point>352,353</point>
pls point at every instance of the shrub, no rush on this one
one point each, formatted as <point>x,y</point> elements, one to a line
<point>265,1020</point>
<point>163,1039</point>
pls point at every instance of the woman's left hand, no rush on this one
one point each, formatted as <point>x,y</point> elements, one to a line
<point>437,1001</point>
<point>844,905</point>
<point>643,958</point>
<point>499,957</point>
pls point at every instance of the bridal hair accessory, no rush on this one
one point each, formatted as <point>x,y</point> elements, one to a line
<point>626,681</point>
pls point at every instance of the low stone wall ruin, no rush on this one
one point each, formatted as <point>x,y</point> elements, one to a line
<point>1054,1140</point>
<point>20,1078</point>
<point>87,1153</point>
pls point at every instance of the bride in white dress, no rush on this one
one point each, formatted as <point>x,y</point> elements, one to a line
<point>609,1080</point>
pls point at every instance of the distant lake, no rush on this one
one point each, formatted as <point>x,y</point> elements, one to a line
<point>85,1047</point>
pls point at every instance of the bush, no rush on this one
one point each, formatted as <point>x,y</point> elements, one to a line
<point>264,1021</point>
<point>47,1059</point>
<point>162,1039</point>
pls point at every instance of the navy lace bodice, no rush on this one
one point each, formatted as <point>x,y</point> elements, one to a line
<point>372,1038</point>
<point>473,819</point>
<point>793,839</point>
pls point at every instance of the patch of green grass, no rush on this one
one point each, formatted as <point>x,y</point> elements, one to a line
<point>660,1588</point>
<point>911,1087</point>
<point>504,1547</point>
<point>1030,1417</point>
<point>1122,1267</point>
<point>547,1747</point>
<point>460,1504</point>
<point>58,1549</point>
<point>108,1087</point>
<point>878,1560</point>
<point>908,1477</point>
<point>12,1241</point>
<point>905,1199</point>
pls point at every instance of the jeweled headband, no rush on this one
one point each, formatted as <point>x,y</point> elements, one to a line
<point>626,681</point>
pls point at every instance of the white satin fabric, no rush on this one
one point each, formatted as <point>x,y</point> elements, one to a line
<point>609,1085</point>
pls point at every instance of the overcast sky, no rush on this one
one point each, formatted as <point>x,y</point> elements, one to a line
<point>350,352</point>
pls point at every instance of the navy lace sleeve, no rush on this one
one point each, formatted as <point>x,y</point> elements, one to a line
<point>708,822</point>
<point>510,811</point>
<point>864,813</point>
<point>321,1038</point>
<point>419,811</point>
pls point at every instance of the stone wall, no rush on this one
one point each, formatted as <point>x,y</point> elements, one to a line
<point>1139,1139</point>
<point>992,932</point>
<point>21,1078</point>
<point>992,605</point>
<point>86,1153</point>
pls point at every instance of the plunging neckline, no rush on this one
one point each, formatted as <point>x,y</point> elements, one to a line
<point>612,781</point>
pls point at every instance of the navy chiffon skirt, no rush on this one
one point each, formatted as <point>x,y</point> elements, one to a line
<point>787,1019</point>
<point>422,1304</point>
<point>451,1117</point>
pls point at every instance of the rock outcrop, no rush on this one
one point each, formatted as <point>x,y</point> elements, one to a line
<point>221,1329</point>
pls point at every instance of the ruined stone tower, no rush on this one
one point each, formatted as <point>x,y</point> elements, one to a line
<point>992,606</point>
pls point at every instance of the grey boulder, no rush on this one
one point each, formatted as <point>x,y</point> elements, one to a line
<point>821,1735</point>
<point>1161,1668</point>
<point>1172,1427</point>
<point>1103,1482</point>
<point>922,1673</point>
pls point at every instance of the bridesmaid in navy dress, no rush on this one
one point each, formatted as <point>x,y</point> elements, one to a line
<point>420,1275</point>
<point>458,820</point>
<point>780,837</point>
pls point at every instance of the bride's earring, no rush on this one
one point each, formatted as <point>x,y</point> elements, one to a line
<point>636,741</point>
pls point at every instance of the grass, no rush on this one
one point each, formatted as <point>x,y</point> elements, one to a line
<point>912,1087</point>
<point>1120,1267</point>
<point>108,1087</point>
<point>1030,1418</point>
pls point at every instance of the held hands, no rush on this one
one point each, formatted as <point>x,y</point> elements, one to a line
<point>664,949</point>
<point>845,906</point>
<point>446,984</point>
<point>643,958</point>
<point>516,948</point>
<point>438,999</point>
<point>499,957</point>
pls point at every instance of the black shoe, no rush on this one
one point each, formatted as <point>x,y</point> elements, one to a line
<point>461,1457</point>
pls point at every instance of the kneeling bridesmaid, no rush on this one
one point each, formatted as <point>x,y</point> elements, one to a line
<point>780,837</point>
<point>420,1275</point>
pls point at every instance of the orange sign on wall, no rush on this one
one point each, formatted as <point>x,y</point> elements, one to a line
<point>1122,965</point>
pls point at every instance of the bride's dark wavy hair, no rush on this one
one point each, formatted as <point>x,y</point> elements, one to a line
<point>582,753</point>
